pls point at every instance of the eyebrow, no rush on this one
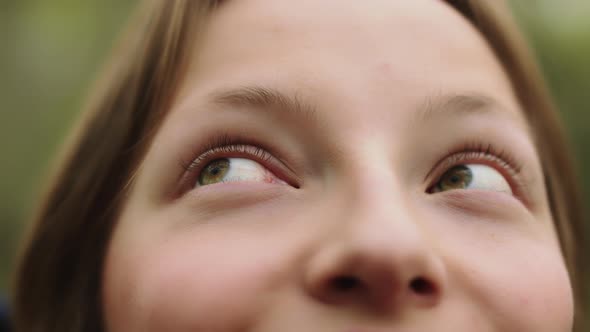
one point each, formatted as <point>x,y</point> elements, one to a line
<point>461,104</point>
<point>264,98</point>
<point>466,104</point>
<point>433,107</point>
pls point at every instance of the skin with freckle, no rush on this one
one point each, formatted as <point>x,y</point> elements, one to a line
<point>345,232</point>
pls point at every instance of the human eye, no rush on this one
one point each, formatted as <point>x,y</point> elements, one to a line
<point>478,167</point>
<point>234,170</point>
<point>228,159</point>
<point>472,176</point>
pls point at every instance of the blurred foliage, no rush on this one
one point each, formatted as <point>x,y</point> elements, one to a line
<point>559,32</point>
<point>49,56</point>
<point>51,52</point>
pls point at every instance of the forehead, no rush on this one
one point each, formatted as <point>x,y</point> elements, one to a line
<point>405,50</point>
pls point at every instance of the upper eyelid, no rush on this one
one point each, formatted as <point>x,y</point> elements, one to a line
<point>216,144</point>
<point>243,150</point>
<point>461,155</point>
<point>192,168</point>
<point>218,141</point>
<point>478,150</point>
<point>509,169</point>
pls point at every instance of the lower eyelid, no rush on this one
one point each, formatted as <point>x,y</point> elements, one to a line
<point>481,203</point>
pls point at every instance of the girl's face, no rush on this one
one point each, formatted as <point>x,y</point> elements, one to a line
<point>339,165</point>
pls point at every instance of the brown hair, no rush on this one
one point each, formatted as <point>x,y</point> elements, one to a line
<point>58,280</point>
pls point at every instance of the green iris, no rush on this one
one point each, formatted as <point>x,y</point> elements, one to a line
<point>214,172</point>
<point>458,177</point>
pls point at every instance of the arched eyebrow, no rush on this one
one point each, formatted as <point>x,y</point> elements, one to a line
<point>433,108</point>
<point>440,107</point>
<point>264,98</point>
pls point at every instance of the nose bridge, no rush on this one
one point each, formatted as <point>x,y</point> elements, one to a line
<point>380,222</point>
<point>377,198</point>
<point>377,211</point>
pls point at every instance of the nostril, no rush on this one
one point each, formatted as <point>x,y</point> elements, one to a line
<point>422,286</point>
<point>345,283</point>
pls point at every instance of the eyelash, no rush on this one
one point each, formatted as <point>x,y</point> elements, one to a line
<point>226,144</point>
<point>230,145</point>
<point>474,151</point>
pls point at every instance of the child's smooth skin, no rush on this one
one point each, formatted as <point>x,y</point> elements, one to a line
<point>344,223</point>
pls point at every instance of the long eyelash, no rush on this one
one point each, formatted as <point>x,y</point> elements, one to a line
<point>478,149</point>
<point>225,143</point>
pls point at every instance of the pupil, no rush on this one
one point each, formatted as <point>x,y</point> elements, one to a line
<point>215,170</point>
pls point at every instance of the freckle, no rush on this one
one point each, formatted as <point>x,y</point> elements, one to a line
<point>384,72</point>
<point>524,301</point>
<point>384,68</point>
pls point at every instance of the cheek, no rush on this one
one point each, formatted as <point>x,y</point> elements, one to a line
<point>208,281</point>
<point>526,288</point>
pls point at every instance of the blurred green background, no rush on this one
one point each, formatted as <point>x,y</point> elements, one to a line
<point>51,52</point>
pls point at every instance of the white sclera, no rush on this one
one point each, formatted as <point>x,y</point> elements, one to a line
<point>487,178</point>
<point>241,169</point>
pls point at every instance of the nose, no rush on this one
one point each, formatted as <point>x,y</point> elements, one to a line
<point>378,258</point>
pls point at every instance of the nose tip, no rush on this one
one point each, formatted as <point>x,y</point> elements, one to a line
<point>376,252</point>
<point>375,277</point>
